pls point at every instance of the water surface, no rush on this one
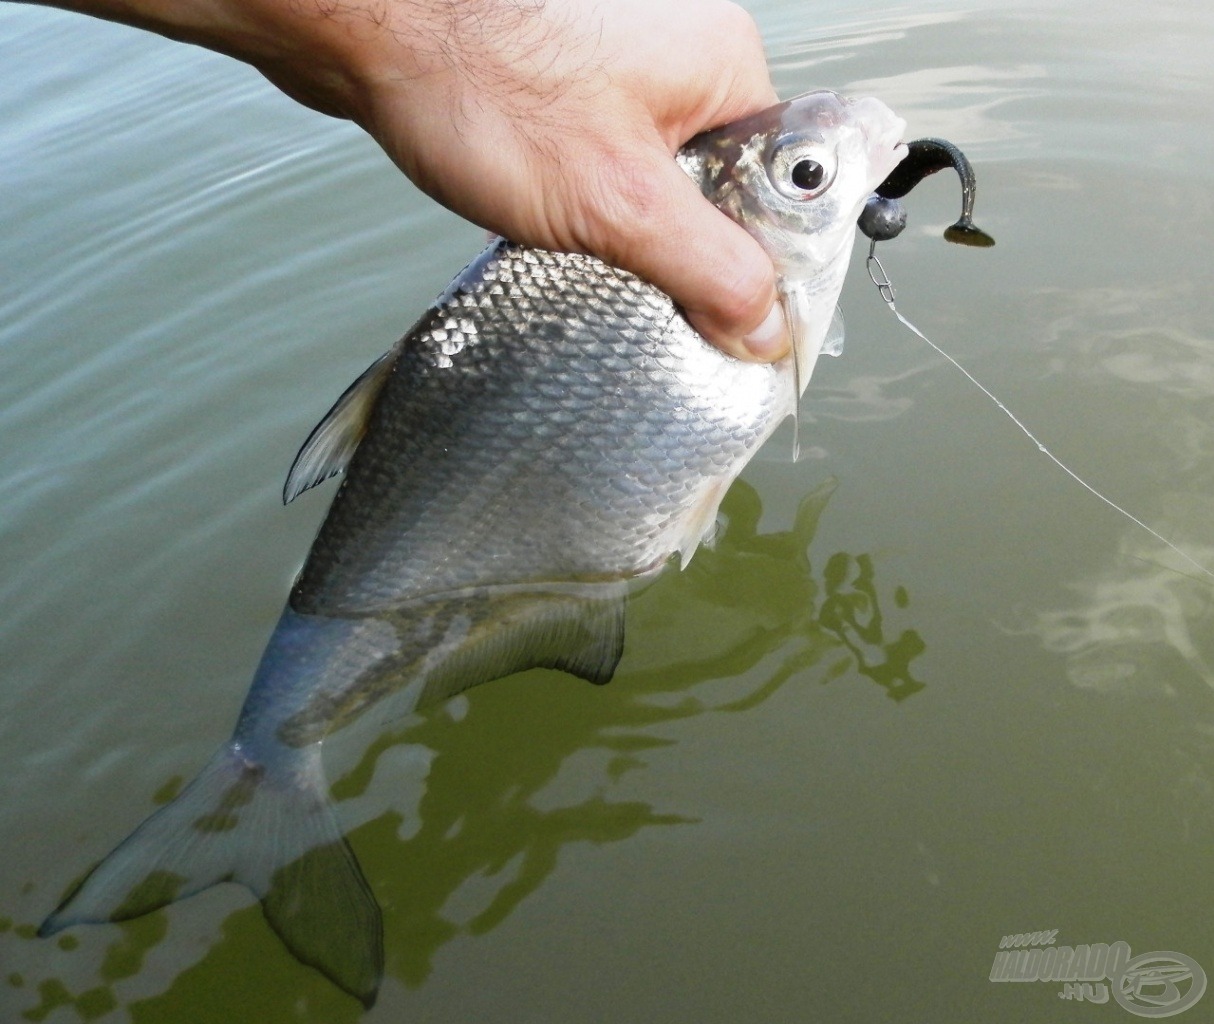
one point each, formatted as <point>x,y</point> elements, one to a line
<point>926,692</point>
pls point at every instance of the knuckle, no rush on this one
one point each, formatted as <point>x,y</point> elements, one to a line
<point>742,290</point>
<point>748,76</point>
<point>741,25</point>
<point>741,301</point>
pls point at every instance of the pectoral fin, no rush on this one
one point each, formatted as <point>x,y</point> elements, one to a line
<point>835,335</point>
<point>332,442</point>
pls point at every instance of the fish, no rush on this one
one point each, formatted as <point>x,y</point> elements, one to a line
<point>551,432</point>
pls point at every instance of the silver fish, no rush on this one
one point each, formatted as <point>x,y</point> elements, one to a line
<point>551,429</point>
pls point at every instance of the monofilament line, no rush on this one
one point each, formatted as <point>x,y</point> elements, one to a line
<point>877,275</point>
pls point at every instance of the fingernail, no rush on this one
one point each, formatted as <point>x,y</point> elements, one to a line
<point>769,341</point>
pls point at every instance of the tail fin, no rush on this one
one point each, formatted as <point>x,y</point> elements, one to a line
<point>272,829</point>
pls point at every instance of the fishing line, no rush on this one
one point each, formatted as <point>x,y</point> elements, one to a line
<point>878,276</point>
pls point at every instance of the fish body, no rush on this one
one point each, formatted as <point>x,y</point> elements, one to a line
<point>550,430</point>
<point>586,427</point>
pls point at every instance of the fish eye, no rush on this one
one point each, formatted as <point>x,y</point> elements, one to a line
<point>801,168</point>
<point>808,175</point>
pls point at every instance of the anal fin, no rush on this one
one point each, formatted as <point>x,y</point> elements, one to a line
<point>500,631</point>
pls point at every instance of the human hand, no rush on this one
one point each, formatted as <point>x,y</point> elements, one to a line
<point>552,122</point>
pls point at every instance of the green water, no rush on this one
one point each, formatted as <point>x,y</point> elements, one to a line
<point>926,692</point>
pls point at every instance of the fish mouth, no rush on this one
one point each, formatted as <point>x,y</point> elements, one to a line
<point>883,132</point>
<point>886,149</point>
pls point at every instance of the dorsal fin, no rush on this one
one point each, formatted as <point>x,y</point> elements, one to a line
<point>328,448</point>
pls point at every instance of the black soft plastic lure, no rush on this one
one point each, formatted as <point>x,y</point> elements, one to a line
<point>884,215</point>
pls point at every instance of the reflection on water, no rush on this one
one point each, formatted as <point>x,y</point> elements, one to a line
<point>1111,330</point>
<point>1138,636</point>
<point>749,615</point>
<point>1142,627</point>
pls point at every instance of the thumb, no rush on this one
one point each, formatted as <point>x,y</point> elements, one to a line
<point>677,240</point>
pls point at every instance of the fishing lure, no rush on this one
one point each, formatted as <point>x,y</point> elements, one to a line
<point>884,217</point>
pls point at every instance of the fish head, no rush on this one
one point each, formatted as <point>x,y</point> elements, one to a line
<point>796,176</point>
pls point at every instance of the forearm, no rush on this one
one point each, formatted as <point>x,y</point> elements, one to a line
<point>215,24</point>
<point>308,48</point>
